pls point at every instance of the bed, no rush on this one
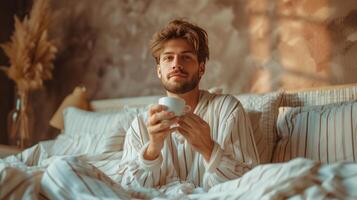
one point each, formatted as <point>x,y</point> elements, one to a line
<point>299,160</point>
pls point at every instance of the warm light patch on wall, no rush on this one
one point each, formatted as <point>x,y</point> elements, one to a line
<point>290,43</point>
<point>260,40</point>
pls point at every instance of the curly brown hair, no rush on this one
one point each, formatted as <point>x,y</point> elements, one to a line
<point>179,28</point>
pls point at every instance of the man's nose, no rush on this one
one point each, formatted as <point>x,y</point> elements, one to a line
<point>177,63</point>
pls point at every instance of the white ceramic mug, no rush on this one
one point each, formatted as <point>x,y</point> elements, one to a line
<point>174,104</point>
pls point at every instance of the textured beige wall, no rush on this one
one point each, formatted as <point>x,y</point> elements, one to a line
<point>256,45</point>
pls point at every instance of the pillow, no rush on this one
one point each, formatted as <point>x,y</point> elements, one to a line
<point>93,133</point>
<point>323,133</point>
<point>78,99</point>
<point>320,96</point>
<point>262,110</point>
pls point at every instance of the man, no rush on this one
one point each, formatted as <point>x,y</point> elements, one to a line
<point>218,144</point>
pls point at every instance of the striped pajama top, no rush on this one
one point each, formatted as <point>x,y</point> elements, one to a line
<point>234,151</point>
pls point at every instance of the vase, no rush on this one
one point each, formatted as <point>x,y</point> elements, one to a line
<point>20,119</point>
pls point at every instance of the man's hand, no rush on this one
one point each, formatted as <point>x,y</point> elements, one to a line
<point>158,126</point>
<point>198,133</point>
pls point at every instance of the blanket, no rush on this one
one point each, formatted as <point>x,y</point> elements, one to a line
<point>36,174</point>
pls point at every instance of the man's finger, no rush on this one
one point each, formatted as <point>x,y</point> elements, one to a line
<point>183,131</point>
<point>189,121</point>
<point>184,127</point>
<point>156,108</point>
<point>196,118</point>
<point>163,133</point>
<point>162,126</point>
<point>160,116</point>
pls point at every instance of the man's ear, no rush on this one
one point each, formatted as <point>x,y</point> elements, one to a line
<point>158,71</point>
<point>202,69</point>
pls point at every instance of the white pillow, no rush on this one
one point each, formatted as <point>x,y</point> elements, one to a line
<point>322,133</point>
<point>93,133</point>
<point>263,111</point>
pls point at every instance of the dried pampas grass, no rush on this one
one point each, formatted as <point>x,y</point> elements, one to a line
<point>30,52</point>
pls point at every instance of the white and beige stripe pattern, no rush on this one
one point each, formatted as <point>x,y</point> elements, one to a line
<point>93,132</point>
<point>296,179</point>
<point>16,183</point>
<point>234,152</point>
<point>263,110</point>
<point>319,96</point>
<point>72,178</point>
<point>322,133</point>
<point>75,178</point>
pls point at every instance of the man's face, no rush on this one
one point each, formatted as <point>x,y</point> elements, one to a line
<point>179,69</point>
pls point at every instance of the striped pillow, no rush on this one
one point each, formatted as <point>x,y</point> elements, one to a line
<point>263,111</point>
<point>93,133</point>
<point>320,96</point>
<point>322,133</point>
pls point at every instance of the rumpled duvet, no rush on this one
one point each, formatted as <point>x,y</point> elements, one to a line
<point>37,174</point>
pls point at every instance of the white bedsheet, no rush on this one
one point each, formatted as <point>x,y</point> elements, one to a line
<point>36,174</point>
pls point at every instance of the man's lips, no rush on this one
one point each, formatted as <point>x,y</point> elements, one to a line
<point>177,75</point>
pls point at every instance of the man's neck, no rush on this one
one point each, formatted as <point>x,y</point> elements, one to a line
<point>191,98</point>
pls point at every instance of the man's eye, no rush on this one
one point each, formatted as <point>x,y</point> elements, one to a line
<point>166,58</point>
<point>186,57</point>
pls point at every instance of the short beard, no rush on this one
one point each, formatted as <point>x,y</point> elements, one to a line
<point>184,87</point>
